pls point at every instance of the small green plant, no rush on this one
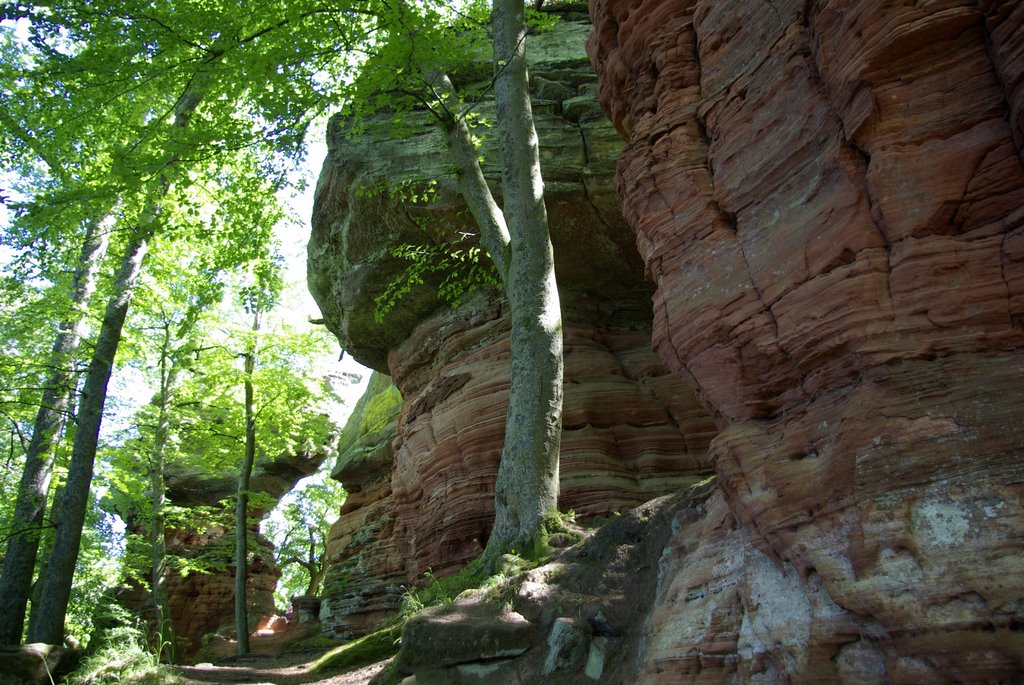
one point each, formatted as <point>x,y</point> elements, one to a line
<point>120,655</point>
<point>464,266</point>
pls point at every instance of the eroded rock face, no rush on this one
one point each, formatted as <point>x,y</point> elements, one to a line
<point>202,601</point>
<point>632,430</point>
<point>830,198</point>
<point>580,618</point>
<point>365,573</point>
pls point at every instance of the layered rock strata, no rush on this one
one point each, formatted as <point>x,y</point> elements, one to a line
<point>830,199</point>
<point>632,430</point>
<point>202,599</point>
<point>365,575</point>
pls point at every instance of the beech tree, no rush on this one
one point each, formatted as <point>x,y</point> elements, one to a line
<point>426,42</point>
<point>152,92</point>
<point>299,531</point>
<point>242,396</point>
<point>23,542</point>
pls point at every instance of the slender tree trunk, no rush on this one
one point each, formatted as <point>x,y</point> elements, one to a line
<point>242,502</point>
<point>169,365</point>
<point>49,626</point>
<point>48,622</point>
<point>30,508</point>
<point>314,565</point>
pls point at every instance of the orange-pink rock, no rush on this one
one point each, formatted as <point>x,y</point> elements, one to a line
<point>830,198</point>
<point>631,431</point>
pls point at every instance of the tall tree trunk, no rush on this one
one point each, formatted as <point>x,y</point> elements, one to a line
<point>48,622</point>
<point>30,508</point>
<point>526,489</point>
<point>242,501</point>
<point>49,626</point>
<point>169,365</point>
<point>518,241</point>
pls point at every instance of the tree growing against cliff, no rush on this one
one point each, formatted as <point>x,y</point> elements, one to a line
<point>412,70</point>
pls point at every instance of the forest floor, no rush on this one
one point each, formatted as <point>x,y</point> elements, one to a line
<point>274,660</point>
<point>288,669</point>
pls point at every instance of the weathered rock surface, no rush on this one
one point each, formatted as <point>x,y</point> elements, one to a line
<point>36,663</point>
<point>830,199</point>
<point>631,429</point>
<point>202,601</point>
<point>365,575</point>
<point>578,619</point>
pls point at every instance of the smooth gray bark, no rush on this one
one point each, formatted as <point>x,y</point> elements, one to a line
<point>518,240</point>
<point>169,367</point>
<point>526,489</point>
<point>30,508</point>
<point>67,541</point>
<point>47,624</point>
<point>493,230</point>
<point>242,500</point>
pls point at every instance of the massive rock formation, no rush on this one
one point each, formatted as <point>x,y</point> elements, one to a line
<point>365,573</point>
<point>830,199</point>
<point>632,430</point>
<point>202,598</point>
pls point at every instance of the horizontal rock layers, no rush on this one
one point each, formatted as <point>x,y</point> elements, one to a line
<point>632,430</point>
<point>202,598</point>
<point>830,198</point>
<point>365,574</point>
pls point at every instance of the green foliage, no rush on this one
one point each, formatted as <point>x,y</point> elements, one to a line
<point>299,528</point>
<point>121,655</point>
<point>95,105</point>
<point>407,191</point>
<point>462,266</point>
<point>97,572</point>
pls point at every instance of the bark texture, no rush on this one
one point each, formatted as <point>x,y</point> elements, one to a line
<point>242,498</point>
<point>30,508</point>
<point>526,489</point>
<point>48,626</point>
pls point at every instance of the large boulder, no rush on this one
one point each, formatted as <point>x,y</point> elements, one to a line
<point>36,663</point>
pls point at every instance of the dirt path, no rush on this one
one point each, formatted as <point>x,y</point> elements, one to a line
<point>271,662</point>
<point>291,669</point>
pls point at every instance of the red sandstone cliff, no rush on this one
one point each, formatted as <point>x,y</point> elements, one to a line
<point>830,199</point>
<point>632,430</point>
